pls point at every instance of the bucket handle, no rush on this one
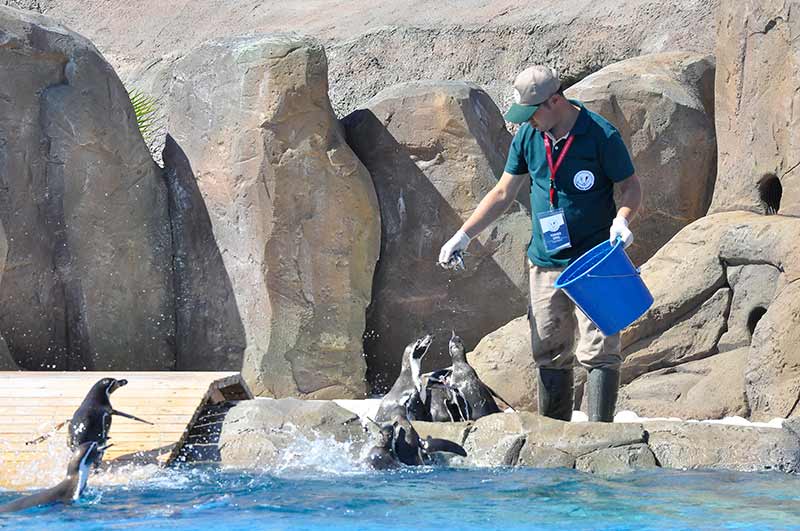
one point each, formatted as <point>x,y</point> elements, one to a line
<point>629,275</point>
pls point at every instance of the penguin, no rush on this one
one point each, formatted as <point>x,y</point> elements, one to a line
<point>382,456</point>
<point>92,419</point>
<point>413,451</point>
<point>478,397</point>
<point>407,389</point>
<point>70,489</point>
<point>443,401</point>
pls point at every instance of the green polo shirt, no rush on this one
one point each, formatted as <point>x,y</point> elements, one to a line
<point>585,181</point>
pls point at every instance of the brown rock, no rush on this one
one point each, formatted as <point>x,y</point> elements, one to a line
<point>209,332</point>
<point>619,460</point>
<point>663,106</point>
<point>754,288</point>
<point>537,456</point>
<point>293,210</point>
<point>375,44</point>
<point>695,337</point>
<point>434,149</point>
<point>503,360</point>
<point>759,147</point>
<point>88,281</point>
<point>696,445</point>
<point>261,433</point>
<point>6,361</point>
<point>500,439</point>
<point>711,388</point>
<point>758,258</point>
<point>772,373</point>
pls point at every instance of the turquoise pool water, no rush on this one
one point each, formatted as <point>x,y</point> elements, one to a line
<point>428,499</point>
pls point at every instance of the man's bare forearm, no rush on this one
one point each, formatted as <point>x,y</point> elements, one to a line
<point>631,197</point>
<point>494,204</point>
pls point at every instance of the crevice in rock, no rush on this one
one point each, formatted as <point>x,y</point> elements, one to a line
<point>770,192</point>
<point>752,320</point>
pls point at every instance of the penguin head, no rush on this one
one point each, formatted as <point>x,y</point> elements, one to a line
<point>456,348</point>
<point>101,391</point>
<point>420,347</point>
<point>387,436</point>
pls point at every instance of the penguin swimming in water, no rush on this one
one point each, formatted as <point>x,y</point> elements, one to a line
<point>407,389</point>
<point>70,489</point>
<point>382,456</point>
<point>92,419</point>
<point>411,450</point>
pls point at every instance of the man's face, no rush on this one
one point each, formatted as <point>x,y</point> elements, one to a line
<point>546,116</point>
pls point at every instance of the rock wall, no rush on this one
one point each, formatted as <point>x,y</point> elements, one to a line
<point>758,129</point>
<point>6,361</point>
<point>715,302</point>
<point>209,331</point>
<point>434,149</point>
<point>373,45</point>
<point>663,106</point>
<point>294,212</point>
<point>88,281</point>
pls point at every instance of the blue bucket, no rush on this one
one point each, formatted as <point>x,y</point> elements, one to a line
<point>604,284</point>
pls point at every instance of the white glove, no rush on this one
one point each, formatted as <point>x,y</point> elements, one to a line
<point>619,229</point>
<point>458,242</point>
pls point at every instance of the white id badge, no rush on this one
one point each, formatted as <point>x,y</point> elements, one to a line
<point>554,230</point>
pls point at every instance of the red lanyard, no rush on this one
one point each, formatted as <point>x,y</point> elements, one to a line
<point>554,167</point>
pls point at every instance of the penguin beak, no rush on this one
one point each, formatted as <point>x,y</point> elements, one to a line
<point>117,384</point>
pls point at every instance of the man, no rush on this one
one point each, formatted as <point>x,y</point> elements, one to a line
<point>571,212</point>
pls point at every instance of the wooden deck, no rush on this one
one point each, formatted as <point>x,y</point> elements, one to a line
<point>34,403</point>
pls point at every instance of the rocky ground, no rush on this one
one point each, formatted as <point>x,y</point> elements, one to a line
<point>259,433</point>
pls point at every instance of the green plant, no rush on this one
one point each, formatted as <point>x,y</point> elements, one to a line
<point>146,109</point>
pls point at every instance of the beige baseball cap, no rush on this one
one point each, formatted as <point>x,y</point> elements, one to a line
<point>532,87</point>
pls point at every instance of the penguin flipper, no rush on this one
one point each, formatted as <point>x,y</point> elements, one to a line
<point>129,416</point>
<point>47,435</point>
<point>443,445</point>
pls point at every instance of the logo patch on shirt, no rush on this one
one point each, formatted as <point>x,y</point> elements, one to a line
<point>583,180</point>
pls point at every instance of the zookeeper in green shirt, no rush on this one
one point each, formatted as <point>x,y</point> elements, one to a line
<point>571,213</point>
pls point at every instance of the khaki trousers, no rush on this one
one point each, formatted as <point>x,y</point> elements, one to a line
<point>556,323</point>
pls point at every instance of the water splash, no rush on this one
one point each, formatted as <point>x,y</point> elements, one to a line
<point>319,454</point>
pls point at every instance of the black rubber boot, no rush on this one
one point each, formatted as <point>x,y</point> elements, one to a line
<point>601,392</point>
<point>556,393</point>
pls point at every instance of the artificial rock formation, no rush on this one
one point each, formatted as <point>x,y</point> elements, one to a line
<point>720,259</point>
<point>209,335</point>
<point>373,44</point>
<point>663,106</point>
<point>293,211</point>
<point>88,280</point>
<point>434,149</point>
<point>756,93</point>
<point>710,388</point>
<point>6,361</point>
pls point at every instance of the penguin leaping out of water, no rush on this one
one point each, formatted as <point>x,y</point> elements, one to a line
<point>92,419</point>
<point>70,489</point>
<point>407,389</point>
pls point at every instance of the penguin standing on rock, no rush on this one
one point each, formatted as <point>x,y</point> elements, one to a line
<point>407,388</point>
<point>477,395</point>
<point>70,489</point>
<point>92,419</point>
